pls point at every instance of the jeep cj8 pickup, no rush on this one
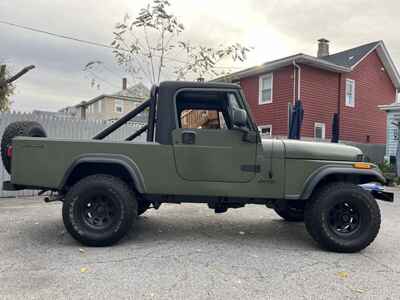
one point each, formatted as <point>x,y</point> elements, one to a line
<point>105,185</point>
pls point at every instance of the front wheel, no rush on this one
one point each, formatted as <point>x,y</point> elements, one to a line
<point>342,217</point>
<point>99,210</point>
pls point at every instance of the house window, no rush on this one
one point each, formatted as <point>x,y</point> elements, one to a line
<point>265,92</point>
<point>265,130</point>
<point>350,92</point>
<point>319,131</point>
<point>119,106</point>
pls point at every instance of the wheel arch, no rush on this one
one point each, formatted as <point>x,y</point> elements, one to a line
<point>330,174</point>
<point>117,165</point>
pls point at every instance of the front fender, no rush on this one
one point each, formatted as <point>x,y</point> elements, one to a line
<point>317,176</point>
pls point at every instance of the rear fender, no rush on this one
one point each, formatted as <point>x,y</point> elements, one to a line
<point>112,159</point>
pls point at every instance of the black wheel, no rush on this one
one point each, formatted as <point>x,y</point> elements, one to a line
<point>342,217</point>
<point>143,206</point>
<point>290,210</point>
<point>99,210</point>
<point>28,128</point>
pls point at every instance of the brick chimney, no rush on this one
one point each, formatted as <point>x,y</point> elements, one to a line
<point>124,83</point>
<point>323,47</point>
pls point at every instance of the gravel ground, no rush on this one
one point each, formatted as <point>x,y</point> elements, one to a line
<point>188,252</point>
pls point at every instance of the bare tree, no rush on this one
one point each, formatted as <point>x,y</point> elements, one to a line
<point>151,46</point>
<point>7,87</point>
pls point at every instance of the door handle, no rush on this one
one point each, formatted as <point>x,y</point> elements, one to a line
<point>188,138</point>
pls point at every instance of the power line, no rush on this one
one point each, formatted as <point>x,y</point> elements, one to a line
<point>58,35</point>
<point>97,44</point>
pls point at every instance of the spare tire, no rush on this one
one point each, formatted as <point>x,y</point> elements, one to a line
<point>26,128</point>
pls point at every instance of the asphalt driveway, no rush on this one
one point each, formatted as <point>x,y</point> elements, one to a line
<point>188,252</point>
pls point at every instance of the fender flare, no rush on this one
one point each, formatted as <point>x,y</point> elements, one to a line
<point>116,159</point>
<point>321,173</point>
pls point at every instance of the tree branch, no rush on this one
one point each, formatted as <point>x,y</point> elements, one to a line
<point>10,80</point>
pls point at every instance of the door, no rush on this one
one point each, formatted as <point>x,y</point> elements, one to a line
<point>207,147</point>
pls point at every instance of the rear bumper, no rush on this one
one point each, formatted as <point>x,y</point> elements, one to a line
<point>9,186</point>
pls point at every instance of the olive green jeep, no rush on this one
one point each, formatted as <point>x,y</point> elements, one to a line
<point>202,146</point>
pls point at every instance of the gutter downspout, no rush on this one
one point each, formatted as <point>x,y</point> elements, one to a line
<point>298,82</point>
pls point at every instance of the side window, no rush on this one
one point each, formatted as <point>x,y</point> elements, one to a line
<point>201,118</point>
<point>265,89</point>
<point>119,106</point>
<point>319,131</point>
<point>205,109</point>
<point>350,92</point>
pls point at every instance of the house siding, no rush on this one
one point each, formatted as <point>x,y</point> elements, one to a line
<point>319,93</point>
<point>275,113</point>
<point>320,96</point>
<point>373,88</point>
<point>108,109</point>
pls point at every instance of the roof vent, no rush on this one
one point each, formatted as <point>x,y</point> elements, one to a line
<point>323,47</point>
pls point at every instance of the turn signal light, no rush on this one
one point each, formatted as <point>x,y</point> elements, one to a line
<point>362,165</point>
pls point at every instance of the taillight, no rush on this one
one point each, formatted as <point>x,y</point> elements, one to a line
<point>9,151</point>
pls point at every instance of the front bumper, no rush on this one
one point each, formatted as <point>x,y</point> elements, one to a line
<point>384,196</point>
<point>378,192</point>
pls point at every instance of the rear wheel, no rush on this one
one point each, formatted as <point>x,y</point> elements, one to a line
<point>99,210</point>
<point>290,210</point>
<point>342,217</point>
<point>28,128</point>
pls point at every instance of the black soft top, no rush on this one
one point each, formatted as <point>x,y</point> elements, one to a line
<point>166,111</point>
<point>176,85</point>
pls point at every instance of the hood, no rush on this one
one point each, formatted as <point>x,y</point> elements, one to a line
<point>323,151</point>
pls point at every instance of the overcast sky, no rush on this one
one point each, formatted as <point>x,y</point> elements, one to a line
<point>275,28</point>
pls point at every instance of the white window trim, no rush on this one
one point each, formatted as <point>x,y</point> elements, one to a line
<point>100,106</point>
<point>348,104</point>
<point>260,80</point>
<point>265,126</point>
<point>119,103</point>
<point>321,125</point>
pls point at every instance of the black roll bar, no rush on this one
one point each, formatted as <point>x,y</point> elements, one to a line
<point>152,113</point>
<point>151,103</point>
<point>137,133</point>
<point>101,135</point>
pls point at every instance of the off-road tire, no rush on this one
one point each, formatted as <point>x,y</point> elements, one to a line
<point>291,210</point>
<point>78,200</point>
<point>26,128</point>
<point>319,217</point>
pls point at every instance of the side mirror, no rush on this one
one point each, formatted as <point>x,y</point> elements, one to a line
<point>239,117</point>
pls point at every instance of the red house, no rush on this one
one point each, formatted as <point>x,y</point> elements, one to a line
<point>351,84</point>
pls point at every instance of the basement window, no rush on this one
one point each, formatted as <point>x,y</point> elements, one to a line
<point>350,92</point>
<point>265,130</point>
<point>319,131</point>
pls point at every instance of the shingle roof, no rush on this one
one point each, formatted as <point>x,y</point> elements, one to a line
<point>352,56</point>
<point>342,62</point>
